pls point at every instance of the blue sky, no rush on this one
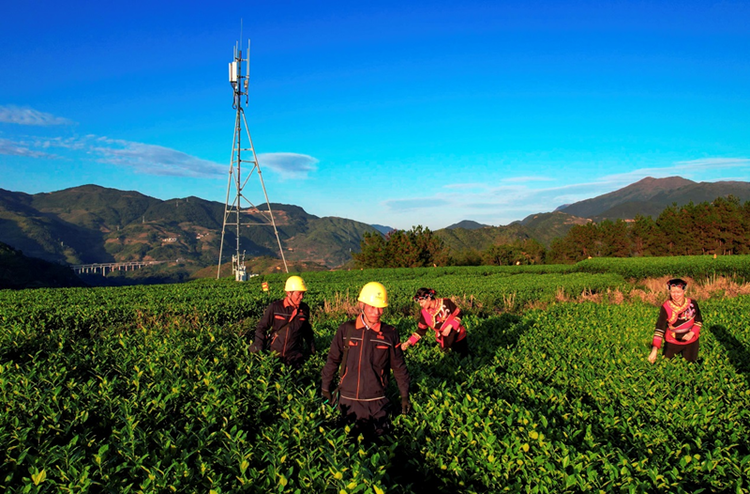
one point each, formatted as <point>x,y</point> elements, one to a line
<point>396,113</point>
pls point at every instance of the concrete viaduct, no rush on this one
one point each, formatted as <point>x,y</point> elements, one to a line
<point>112,266</point>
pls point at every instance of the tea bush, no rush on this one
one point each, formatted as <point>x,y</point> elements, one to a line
<point>152,389</point>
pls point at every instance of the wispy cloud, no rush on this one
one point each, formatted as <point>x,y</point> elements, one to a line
<point>490,186</point>
<point>528,179</point>
<point>516,197</point>
<point>18,149</point>
<point>681,168</point>
<point>467,186</point>
<point>288,165</point>
<point>151,159</point>
<point>29,116</point>
<point>72,143</point>
<point>711,163</point>
<point>401,205</point>
<point>154,160</point>
<point>144,158</point>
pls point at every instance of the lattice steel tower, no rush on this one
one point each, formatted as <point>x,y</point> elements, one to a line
<point>233,211</point>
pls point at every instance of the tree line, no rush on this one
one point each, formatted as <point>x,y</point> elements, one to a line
<point>420,247</point>
<point>719,227</point>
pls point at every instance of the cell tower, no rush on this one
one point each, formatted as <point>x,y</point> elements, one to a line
<point>234,210</point>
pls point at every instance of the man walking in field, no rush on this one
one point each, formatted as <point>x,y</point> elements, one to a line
<point>289,322</point>
<point>364,351</point>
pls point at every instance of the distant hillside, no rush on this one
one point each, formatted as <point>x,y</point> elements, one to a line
<point>92,224</point>
<point>641,191</point>
<point>467,225</point>
<point>647,197</point>
<point>545,227</point>
<point>651,196</point>
<point>261,265</point>
<point>19,271</point>
<point>542,227</point>
<point>629,210</point>
<point>461,239</point>
<point>382,228</point>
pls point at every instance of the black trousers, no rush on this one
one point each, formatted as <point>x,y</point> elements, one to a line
<point>450,343</point>
<point>689,352</point>
<point>370,418</point>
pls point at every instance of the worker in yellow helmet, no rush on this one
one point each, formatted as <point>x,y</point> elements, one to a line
<point>363,351</point>
<point>289,323</point>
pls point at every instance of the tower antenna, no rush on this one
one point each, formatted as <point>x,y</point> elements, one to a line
<point>240,205</point>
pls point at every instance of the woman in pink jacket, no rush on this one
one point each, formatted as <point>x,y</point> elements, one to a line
<point>444,317</point>
<point>679,325</point>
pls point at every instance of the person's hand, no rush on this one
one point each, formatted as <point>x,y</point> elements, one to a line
<point>404,346</point>
<point>688,336</point>
<point>446,331</point>
<point>326,395</point>
<point>652,356</point>
<point>405,405</point>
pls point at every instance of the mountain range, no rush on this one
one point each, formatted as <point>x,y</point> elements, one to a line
<point>19,271</point>
<point>92,224</point>
<point>650,196</point>
<point>647,197</point>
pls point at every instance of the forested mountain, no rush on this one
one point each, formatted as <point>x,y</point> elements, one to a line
<point>382,228</point>
<point>545,227</point>
<point>650,196</point>
<point>719,227</point>
<point>542,227</point>
<point>92,224</point>
<point>647,197</point>
<point>466,225</point>
<point>20,271</point>
<point>459,239</point>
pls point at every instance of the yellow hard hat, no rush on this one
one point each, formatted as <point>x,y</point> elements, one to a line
<point>295,284</point>
<point>374,294</point>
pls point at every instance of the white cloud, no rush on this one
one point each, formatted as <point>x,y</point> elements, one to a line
<point>681,168</point>
<point>73,143</point>
<point>144,158</point>
<point>414,204</point>
<point>712,163</point>
<point>11,148</point>
<point>29,116</point>
<point>518,197</point>
<point>528,179</point>
<point>467,186</point>
<point>154,160</point>
<point>509,180</point>
<point>288,165</point>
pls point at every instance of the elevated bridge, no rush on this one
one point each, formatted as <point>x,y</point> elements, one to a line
<point>106,267</point>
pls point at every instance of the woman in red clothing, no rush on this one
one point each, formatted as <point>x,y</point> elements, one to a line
<point>679,323</point>
<point>444,317</point>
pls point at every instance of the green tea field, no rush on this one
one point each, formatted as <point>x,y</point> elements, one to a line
<point>153,389</point>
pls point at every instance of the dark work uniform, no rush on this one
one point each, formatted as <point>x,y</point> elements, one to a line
<point>288,341</point>
<point>373,352</point>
